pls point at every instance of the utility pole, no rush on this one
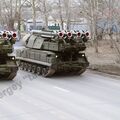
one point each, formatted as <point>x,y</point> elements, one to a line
<point>33,14</point>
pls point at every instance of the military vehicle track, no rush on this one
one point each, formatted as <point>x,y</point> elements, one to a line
<point>39,70</point>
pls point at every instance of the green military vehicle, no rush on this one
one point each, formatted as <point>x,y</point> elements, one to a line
<point>49,52</point>
<point>8,65</point>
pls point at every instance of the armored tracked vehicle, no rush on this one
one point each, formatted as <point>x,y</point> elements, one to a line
<point>49,52</point>
<point>8,65</point>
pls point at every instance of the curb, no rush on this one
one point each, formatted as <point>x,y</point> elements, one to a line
<point>113,69</point>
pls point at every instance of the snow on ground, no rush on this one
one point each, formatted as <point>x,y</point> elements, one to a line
<point>105,60</point>
<point>87,97</point>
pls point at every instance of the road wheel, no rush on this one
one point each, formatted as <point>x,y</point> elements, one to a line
<point>29,67</point>
<point>22,65</point>
<point>38,70</point>
<point>18,63</point>
<point>33,69</point>
<point>44,72</point>
<point>25,66</point>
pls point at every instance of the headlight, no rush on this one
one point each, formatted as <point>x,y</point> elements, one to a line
<point>13,58</point>
<point>83,55</point>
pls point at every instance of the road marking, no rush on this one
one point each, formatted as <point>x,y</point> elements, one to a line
<point>61,89</point>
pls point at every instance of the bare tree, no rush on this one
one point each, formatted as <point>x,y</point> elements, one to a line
<point>113,41</point>
<point>94,10</point>
<point>33,13</point>
<point>19,20</point>
<point>67,4</point>
<point>44,8</point>
<point>60,14</point>
<point>8,11</point>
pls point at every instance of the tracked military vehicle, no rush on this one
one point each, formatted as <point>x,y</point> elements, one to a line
<point>8,65</point>
<point>49,52</point>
